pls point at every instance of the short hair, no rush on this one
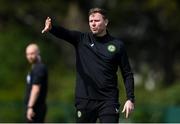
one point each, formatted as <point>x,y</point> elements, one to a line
<point>35,46</point>
<point>98,10</point>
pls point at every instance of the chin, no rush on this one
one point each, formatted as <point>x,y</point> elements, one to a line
<point>94,32</point>
<point>31,61</point>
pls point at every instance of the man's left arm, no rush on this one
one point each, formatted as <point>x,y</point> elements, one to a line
<point>37,82</point>
<point>128,81</point>
<point>32,100</point>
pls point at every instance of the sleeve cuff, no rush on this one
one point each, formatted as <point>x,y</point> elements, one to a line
<point>131,99</point>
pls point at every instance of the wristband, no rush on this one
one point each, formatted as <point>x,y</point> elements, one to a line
<point>29,107</point>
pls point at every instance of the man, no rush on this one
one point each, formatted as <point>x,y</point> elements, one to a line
<point>98,56</point>
<point>36,92</point>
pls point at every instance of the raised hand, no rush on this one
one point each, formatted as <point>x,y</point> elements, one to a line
<point>48,25</point>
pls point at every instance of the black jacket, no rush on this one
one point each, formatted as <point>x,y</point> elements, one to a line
<point>97,61</point>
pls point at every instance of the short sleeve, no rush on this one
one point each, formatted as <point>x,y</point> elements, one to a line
<point>38,75</point>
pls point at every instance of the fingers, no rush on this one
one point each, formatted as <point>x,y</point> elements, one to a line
<point>127,113</point>
<point>128,108</point>
<point>124,109</point>
<point>44,30</point>
<point>48,18</point>
<point>47,25</point>
<point>30,115</point>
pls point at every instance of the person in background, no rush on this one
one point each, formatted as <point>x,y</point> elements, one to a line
<point>37,81</point>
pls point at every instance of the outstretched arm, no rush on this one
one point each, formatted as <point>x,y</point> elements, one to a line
<point>72,37</point>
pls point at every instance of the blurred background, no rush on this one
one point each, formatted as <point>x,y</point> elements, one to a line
<point>150,30</point>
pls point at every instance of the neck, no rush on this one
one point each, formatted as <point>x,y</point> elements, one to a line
<point>37,61</point>
<point>102,34</point>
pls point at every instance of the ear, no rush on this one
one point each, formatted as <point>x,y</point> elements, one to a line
<point>106,22</point>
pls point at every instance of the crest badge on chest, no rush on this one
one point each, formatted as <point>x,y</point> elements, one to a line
<point>111,48</point>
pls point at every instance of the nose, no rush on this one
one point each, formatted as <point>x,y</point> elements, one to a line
<point>93,23</point>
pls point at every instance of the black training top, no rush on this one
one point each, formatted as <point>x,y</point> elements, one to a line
<point>38,75</point>
<point>97,61</point>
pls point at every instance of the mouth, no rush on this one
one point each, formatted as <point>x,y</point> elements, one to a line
<point>94,29</point>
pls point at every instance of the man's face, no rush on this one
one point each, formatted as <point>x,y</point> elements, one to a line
<point>97,24</point>
<point>31,54</point>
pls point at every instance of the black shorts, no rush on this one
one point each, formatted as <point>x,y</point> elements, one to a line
<point>88,111</point>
